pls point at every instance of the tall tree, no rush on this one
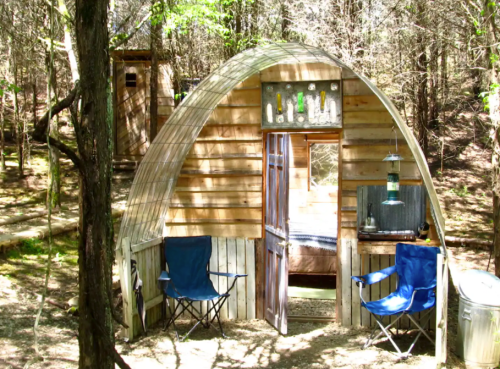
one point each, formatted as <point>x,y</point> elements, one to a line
<point>156,47</point>
<point>94,139</point>
<point>492,53</point>
<point>93,131</point>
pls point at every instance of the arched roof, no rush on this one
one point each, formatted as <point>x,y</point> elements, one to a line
<point>155,181</point>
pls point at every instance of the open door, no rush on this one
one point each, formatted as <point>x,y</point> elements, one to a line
<point>276,230</point>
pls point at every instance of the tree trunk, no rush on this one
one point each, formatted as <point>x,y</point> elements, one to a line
<point>18,128</point>
<point>494,106</point>
<point>94,140</point>
<point>422,76</point>
<point>285,22</point>
<point>156,44</point>
<point>54,173</point>
<point>2,133</point>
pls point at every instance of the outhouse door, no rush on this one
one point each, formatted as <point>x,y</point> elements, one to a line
<point>276,230</point>
<point>131,88</point>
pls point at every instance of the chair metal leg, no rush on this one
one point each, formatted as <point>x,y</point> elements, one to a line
<point>172,318</point>
<point>386,330</point>
<point>217,314</point>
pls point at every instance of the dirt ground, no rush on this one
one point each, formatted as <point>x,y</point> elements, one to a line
<point>462,188</point>
<point>252,344</point>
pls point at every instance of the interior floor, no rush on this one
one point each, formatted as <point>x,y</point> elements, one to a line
<point>312,295</point>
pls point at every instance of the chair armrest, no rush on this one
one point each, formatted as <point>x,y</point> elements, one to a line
<point>229,275</point>
<point>164,277</point>
<point>425,288</point>
<point>375,277</point>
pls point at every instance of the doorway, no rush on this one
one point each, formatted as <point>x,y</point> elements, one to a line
<point>313,225</point>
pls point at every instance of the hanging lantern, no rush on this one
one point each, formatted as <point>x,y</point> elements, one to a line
<point>393,169</point>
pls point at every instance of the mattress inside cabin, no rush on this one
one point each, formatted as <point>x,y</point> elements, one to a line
<point>315,233</point>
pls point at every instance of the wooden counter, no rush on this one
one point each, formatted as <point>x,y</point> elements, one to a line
<point>388,247</point>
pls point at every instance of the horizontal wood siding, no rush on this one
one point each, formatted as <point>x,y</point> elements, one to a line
<point>219,192</point>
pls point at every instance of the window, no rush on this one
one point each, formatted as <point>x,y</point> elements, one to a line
<point>323,165</point>
<point>130,79</point>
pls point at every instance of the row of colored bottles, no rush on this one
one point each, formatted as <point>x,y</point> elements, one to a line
<point>311,110</point>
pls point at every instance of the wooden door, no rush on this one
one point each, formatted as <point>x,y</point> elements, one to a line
<point>276,230</point>
<point>131,130</point>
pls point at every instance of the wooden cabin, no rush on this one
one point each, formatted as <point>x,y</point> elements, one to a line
<point>238,160</point>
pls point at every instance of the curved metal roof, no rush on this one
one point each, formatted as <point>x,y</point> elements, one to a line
<point>154,183</point>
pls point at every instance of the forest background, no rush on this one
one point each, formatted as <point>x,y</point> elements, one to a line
<point>437,61</point>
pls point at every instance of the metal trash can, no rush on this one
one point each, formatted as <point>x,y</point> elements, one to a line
<point>478,339</point>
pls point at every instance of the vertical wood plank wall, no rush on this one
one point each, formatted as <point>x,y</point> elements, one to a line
<point>233,255</point>
<point>132,115</point>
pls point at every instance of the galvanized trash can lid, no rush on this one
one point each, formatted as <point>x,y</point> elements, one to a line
<point>480,287</point>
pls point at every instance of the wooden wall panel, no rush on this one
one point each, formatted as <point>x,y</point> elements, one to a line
<point>132,115</point>
<point>362,103</point>
<point>236,115</point>
<point>367,117</point>
<point>219,192</point>
<point>353,87</point>
<point>300,72</point>
<point>242,97</point>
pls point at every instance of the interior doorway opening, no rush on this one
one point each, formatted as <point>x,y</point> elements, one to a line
<point>313,225</point>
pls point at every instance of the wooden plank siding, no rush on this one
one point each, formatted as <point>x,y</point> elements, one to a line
<point>219,192</point>
<point>132,114</point>
<point>367,137</point>
<point>234,255</point>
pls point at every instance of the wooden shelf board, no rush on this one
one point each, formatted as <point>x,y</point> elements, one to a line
<point>388,247</point>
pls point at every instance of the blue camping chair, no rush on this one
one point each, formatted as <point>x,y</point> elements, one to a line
<point>416,269</point>
<point>188,281</point>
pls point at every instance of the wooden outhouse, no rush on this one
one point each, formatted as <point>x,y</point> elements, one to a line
<point>131,97</point>
<point>238,160</point>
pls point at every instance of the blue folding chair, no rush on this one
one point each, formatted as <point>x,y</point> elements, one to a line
<point>187,281</point>
<point>416,270</point>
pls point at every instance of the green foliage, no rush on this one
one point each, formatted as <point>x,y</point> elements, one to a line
<point>494,89</point>
<point>32,246</point>
<point>183,14</point>
<point>10,87</point>
<point>461,192</point>
<point>179,96</point>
